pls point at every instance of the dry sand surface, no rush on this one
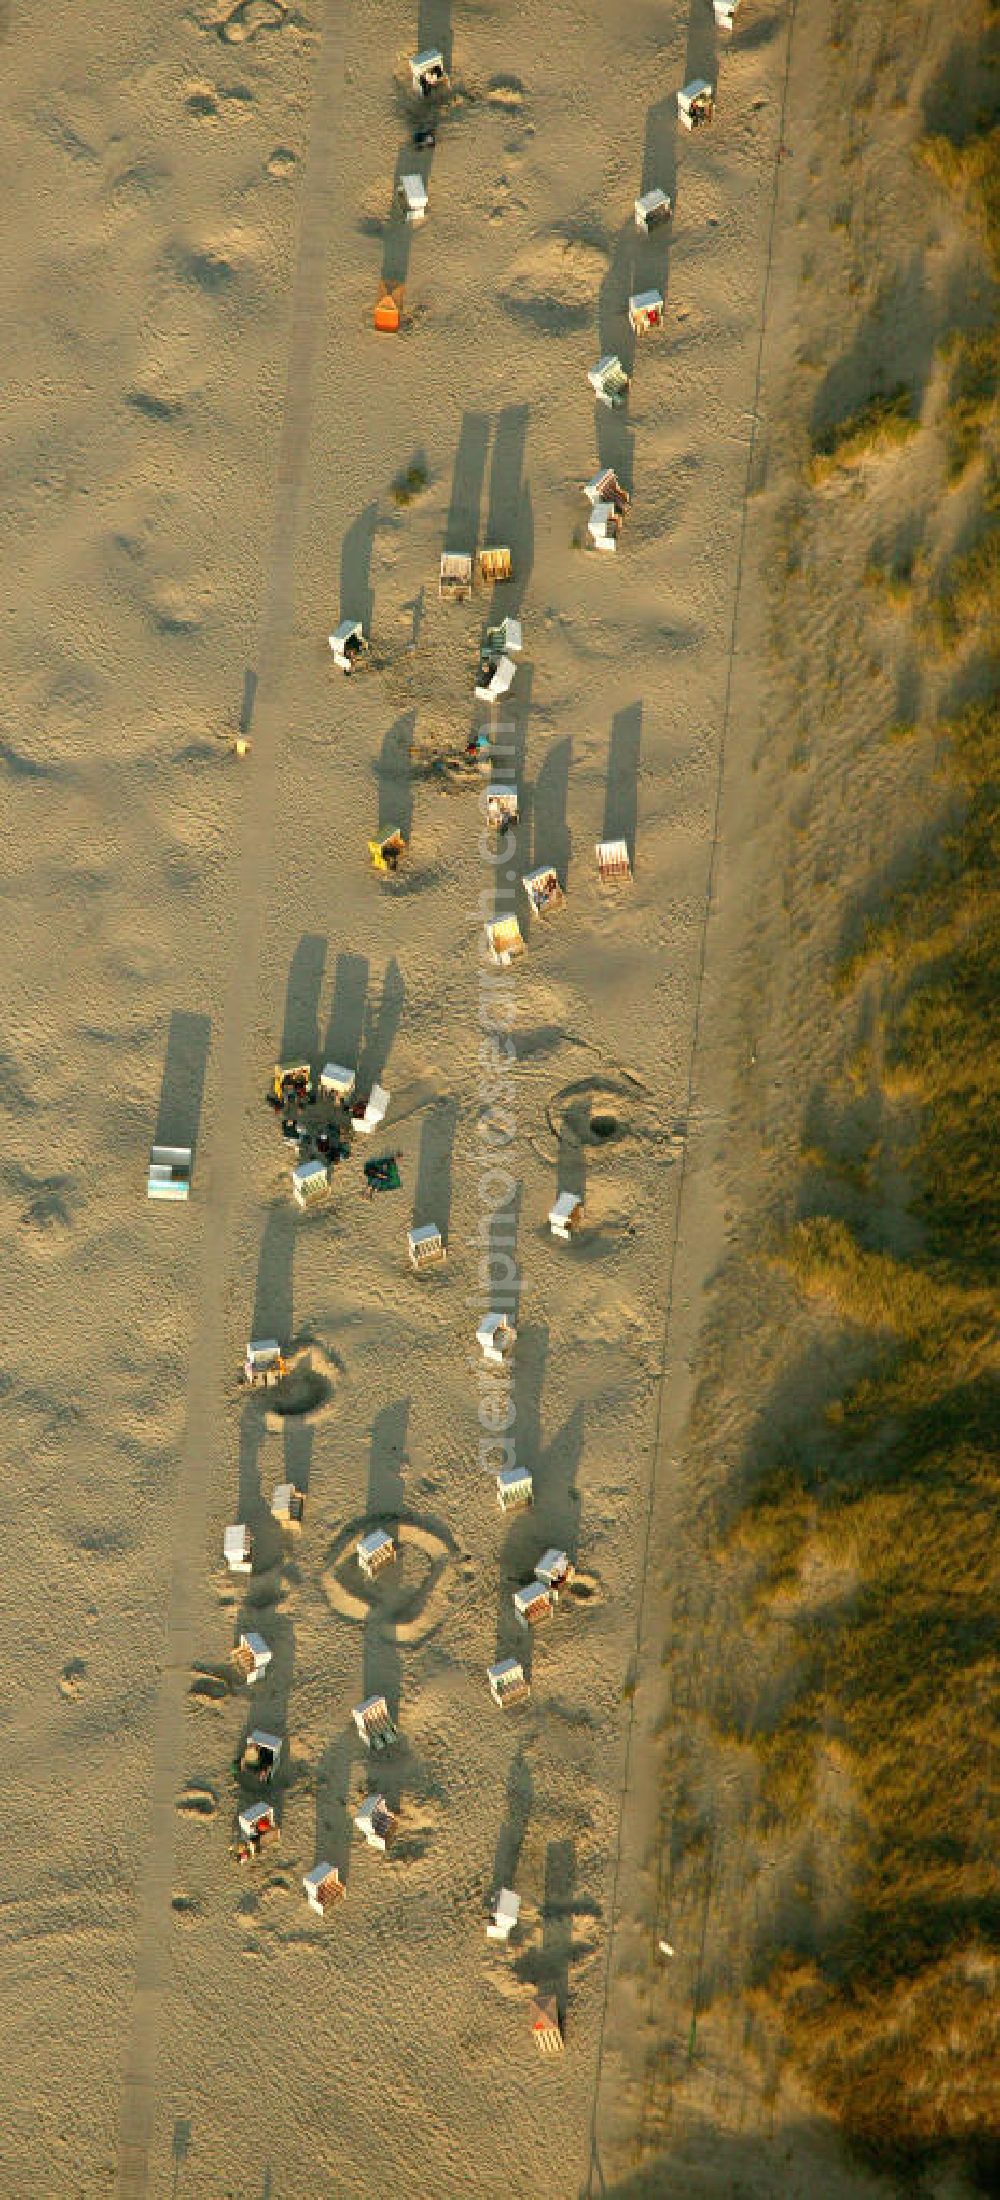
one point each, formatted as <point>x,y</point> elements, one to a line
<point>205,432</point>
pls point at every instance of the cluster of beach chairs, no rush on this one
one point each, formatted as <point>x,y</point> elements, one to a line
<point>267,1364</point>
<point>322,1112</point>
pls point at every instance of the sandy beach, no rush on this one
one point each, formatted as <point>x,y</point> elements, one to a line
<point>206,436</point>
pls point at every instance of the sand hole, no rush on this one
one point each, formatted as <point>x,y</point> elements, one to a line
<point>595,1113</point>
<point>211,269</point>
<point>301,1392</point>
<point>197,1802</point>
<point>506,92</point>
<point>306,1392</point>
<point>209,1688</point>
<point>174,612</point>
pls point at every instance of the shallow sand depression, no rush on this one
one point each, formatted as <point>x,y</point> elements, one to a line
<point>306,1394</point>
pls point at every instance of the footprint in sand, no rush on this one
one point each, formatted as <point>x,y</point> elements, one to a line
<point>47,1213</point>
<point>71,1680</point>
<point>176,610</point>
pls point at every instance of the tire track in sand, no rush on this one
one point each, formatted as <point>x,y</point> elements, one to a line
<point>220,1155</point>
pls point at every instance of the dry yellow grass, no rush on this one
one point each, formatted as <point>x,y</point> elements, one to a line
<point>892,2016</point>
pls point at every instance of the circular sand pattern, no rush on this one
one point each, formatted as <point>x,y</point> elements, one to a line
<point>407,1602</point>
<point>598,1113</point>
<point>240,25</point>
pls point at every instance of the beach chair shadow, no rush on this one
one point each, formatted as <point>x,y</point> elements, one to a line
<point>395,783</point>
<point>182,1085</point>
<point>521,1546</point>
<point>510,518</point>
<point>434,28</point>
<point>621,792</point>
<point>468,476</point>
<point>432,1190</point>
<point>345,1029</point>
<point>380,1028</point>
<point>356,553</point>
<point>701,52</point>
<point>510,1839</point>
<point>551,842</point>
<point>300,1029</point>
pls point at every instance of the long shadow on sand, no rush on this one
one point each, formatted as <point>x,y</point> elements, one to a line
<point>182,1086</point>
<point>356,553</point>
<point>510,519</point>
<point>300,1029</point>
<point>345,1028</point>
<point>621,791</point>
<point>395,783</point>
<point>510,1839</point>
<point>432,1191</point>
<point>381,1024</point>
<point>464,509</point>
<point>551,841</point>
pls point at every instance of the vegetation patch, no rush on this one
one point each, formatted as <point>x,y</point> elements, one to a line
<point>971,167</point>
<point>970,588</point>
<point>970,406</point>
<point>891,2016</point>
<point>881,425</point>
<point>891,1497</point>
<point>409,485</point>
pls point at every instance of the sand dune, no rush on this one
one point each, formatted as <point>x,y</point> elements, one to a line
<point>205,435</point>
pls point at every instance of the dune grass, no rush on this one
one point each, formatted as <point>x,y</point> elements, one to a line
<point>970,407</point>
<point>891,2016</point>
<point>970,167</point>
<point>890,2013</point>
<point>969,589</point>
<point>880,426</point>
<point>409,484</point>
